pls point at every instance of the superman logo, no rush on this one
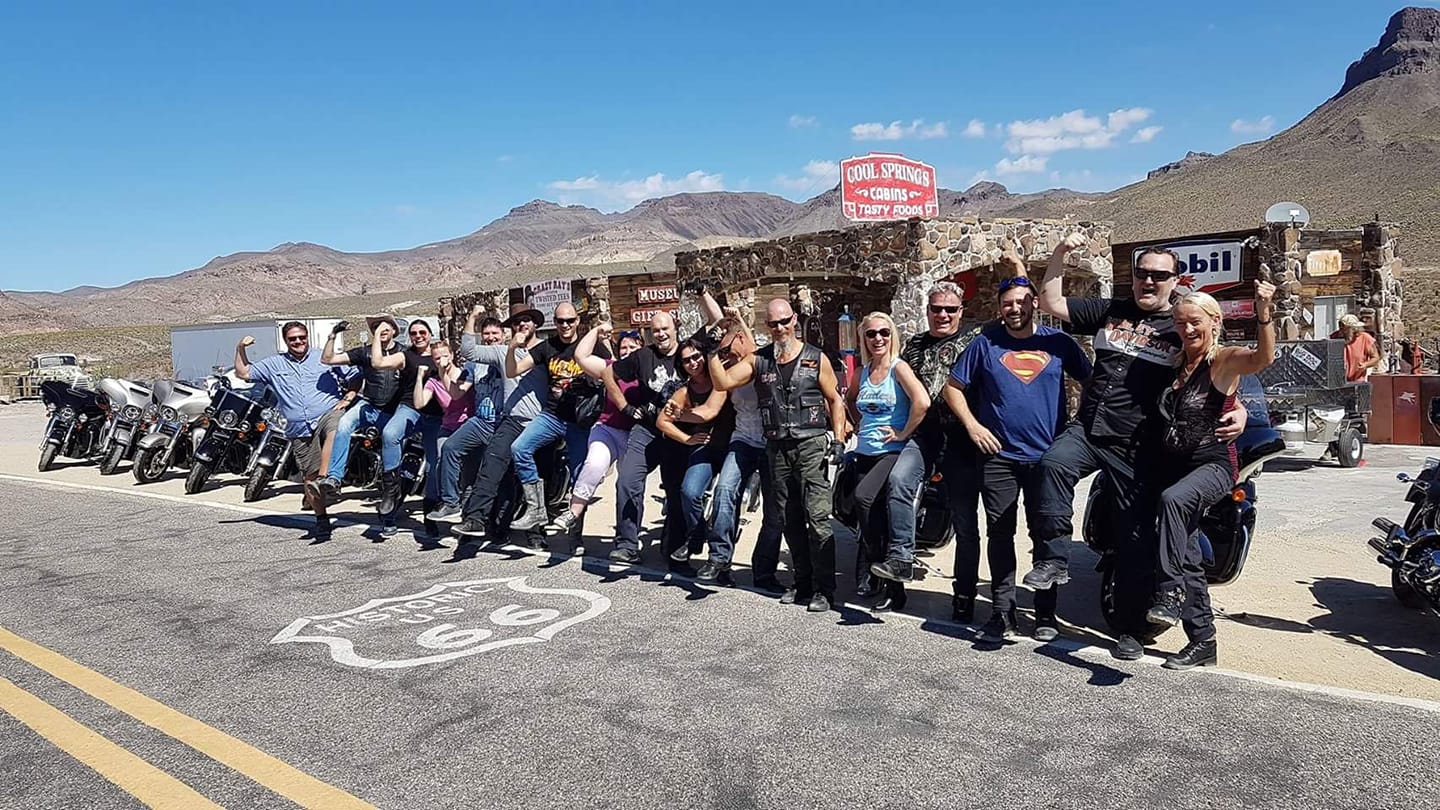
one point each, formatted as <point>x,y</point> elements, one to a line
<point>1026,365</point>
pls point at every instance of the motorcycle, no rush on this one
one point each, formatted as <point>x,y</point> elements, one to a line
<point>271,457</point>
<point>176,432</point>
<point>77,422</point>
<point>1226,529</point>
<point>1412,551</point>
<point>125,423</point>
<point>364,467</point>
<point>234,424</point>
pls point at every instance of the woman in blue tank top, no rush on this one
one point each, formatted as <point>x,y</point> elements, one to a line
<point>888,403</point>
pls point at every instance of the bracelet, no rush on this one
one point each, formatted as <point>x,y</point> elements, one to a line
<point>1264,322</point>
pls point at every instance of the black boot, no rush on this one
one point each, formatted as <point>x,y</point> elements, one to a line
<point>1166,609</point>
<point>962,609</point>
<point>894,598</point>
<point>1195,654</point>
<point>389,493</point>
<point>432,529</point>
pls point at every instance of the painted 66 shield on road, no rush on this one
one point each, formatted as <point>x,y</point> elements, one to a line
<point>446,621</point>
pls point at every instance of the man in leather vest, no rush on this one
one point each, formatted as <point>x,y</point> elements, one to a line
<point>799,403</point>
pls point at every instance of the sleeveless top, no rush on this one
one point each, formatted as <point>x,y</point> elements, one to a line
<point>883,404</point>
<point>1191,413</point>
<point>720,428</point>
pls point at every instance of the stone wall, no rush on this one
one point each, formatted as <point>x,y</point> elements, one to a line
<point>911,255</point>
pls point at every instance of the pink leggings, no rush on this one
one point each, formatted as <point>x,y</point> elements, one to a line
<point>607,445</point>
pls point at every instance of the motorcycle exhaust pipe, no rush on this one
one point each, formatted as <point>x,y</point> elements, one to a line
<point>1379,544</point>
<point>1385,525</point>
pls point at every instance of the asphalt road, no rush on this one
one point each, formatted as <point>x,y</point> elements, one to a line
<point>510,680</point>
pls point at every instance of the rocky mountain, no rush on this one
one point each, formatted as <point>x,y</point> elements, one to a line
<point>1371,150</point>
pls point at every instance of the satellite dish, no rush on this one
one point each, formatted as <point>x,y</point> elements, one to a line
<point>1287,213</point>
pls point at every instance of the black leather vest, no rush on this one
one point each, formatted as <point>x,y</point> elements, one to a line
<point>793,410</point>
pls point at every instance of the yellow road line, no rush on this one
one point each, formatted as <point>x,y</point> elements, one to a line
<point>292,783</point>
<point>130,773</point>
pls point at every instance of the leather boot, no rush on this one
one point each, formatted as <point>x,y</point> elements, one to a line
<point>389,493</point>
<point>432,529</point>
<point>535,514</point>
<point>1194,654</point>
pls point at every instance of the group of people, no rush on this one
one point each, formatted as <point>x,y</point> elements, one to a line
<point>982,411</point>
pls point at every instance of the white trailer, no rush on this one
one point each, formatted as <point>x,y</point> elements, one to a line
<point>200,350</point>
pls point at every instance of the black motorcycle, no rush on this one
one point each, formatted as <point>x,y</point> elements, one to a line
<point>1226,529</point>
<point>364,467</point>
<point>271,458</point>
<point>1412,551</point>
<point>234,423</point>
<point>77,422</point>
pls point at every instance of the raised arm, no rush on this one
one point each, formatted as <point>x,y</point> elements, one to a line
<point>728,379</point>
<point>1241,360</point>
<point>519,337</point>
<point>710,309</point>
<point>593,366</point>
<point>422,394</point>
<point>612,388</point>
<point>242,363</point>
<point>1052,287</point>
<point>329,357</point>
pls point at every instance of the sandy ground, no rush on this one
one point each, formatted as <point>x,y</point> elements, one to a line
<point>1312,607</point>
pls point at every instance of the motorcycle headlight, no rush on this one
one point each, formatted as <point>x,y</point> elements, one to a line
<point>67,413</point>
<point>279,422</point>
<point>152,410</point>
<point>130,413</point>
<point>227,419</point>
<point>168,413</point>
<point>269,415</point>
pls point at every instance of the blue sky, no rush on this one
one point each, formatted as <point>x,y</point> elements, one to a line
<point>140,140</point>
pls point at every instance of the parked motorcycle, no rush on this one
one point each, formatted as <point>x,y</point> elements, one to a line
<point>364,467</point>
<point>1226,529</point>
<point>1412,551</point>
<point>234,424</point>
<point>77,422</point>
<point>175,433</point>
<point>271,457</point>
<point>125,423</point>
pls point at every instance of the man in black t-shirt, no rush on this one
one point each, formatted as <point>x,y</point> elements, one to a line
<point>653,367</point>
<point>568,414</point>
<point>1135,349</point>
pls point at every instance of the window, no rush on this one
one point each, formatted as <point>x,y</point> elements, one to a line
<point>1329,309</point>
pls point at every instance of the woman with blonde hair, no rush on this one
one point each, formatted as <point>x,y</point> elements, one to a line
<point>888,403</point>
<point>1195,469</point>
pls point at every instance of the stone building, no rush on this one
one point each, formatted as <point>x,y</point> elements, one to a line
<point>888,266</point>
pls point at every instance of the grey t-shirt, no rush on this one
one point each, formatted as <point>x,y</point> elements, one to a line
<point>524,396</point>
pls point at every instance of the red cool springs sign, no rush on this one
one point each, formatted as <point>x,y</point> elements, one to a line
<point>880,187</point>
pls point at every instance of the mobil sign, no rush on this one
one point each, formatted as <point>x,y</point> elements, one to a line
<point>882,186</point>
<point>1205,266</point>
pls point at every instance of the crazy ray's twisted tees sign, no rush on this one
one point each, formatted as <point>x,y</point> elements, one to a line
<point>880,187</point>
<point>546,295</point>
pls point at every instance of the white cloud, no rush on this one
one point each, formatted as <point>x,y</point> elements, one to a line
<point>895,130</point>
<point>803,121</point>
<point>1072,130</point>
<point>974,129</point>
<point>816,176</point>
<point>1145,134</point>
<point>634,191</point>
<point>504,158</point>
<point>1242,127</point>
<point>1025,164</point>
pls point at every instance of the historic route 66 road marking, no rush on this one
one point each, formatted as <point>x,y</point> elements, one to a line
<point>447,621</point>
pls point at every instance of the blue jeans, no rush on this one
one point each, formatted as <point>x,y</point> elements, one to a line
<point>906,478</point>
<point>644,451</point>
<point>432,435</point>
<point>359,416</point>
<point>741,462</point>
<point>697,469</point>
<point>458,452</point>
<point>543,431</point>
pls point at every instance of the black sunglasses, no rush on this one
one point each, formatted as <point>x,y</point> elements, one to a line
<point>1018,281</point>
<point>692,358</point>
<point>566,321</point>
<point>1157,276</point>
<point>936,310</point>
<point>776,324</point>
<point>871,334</point>
<point>296,338</point>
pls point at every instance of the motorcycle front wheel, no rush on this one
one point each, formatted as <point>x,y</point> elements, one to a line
<point>149,464</point>
<point>259,479</point>
<point>47,456</point>
<point>199,473</point>
<point>111,461</point>
<point>1108,606</point>
<point>1406,594</point>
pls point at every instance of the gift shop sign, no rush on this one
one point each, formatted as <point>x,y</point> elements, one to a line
<point>1205,266</point>
<point>880,187</point>
<point>643,317</point>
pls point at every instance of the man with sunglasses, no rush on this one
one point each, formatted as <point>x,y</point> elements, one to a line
<point>940,444</point>
<point>1135,346</point>
<point>311,396</point>
<point>798,397</point>
<point>570,394</point>
<point>1016,373</point>
<point>655,374</point>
